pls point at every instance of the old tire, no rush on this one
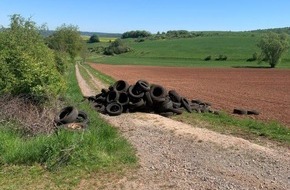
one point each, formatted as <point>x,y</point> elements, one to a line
<point>185,104</point>
<point>66,115</point>
<point>239,111</point>
<point>123,98</point>
<point>112,96</point>
<point>158,93</point>
<point>174,96</point>
<point>134,92</point>
<point>82,118</point>
<point>253,112</point>
<point>143,85</point>
<point>114,109</point>
<point>121,86</point>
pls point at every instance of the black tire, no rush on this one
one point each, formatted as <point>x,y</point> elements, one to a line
<point>239,111</point>
<point>178,111</point>
<point>166,114</point>
<point>143,85</point>
<point>135,93</point>
<point>158,93</point>
<point>66,115</point>
<point>136,104</point>
<point>112,96</point>
<point>185,104</point>
<point>166,105</point>
<point>176,105</point>
<point>148,99</point>
<point>99,107</point>
<point>253,112</point>
<point>196,101</point>
<point>121,86</point>
<point>82,118</point>
<point>114,109</point>
<point>123,98</point>
<point>174,96</point>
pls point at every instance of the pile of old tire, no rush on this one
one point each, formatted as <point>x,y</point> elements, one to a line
<point>72,118</point>
<point>142,97</point>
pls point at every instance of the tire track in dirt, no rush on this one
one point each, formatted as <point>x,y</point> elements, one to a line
<point>174,155</point>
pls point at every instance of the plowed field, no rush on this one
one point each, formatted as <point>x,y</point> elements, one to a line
<point>266,90</point>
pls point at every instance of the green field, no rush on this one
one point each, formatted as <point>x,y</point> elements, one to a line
<point>237,46</point>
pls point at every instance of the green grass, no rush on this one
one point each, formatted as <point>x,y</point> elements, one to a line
<point>246,128</point>
<point>191,52</point>
<point>61,160</point>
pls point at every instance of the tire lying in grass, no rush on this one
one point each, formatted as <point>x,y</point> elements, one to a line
<point>239,111</point>
<point>82,118</point>
<point>114,108</point>
<point>157,93</point>
<point>185,104</point>
<point>121,86</point>
<point>66,115</point>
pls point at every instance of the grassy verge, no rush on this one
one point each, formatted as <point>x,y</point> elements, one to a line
<point>246,128</point>
<point>63,159</point>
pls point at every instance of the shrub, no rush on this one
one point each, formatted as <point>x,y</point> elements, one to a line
<point>221,58</point>
<point>253,58</point>
<point>27,65</point>
<point>116,47</point>
<point>94,38</point>
<point>208,58</point>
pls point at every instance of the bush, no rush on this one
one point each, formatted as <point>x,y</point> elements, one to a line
<point>116,47</point>
<point>221,58</point>
<point>136,34</point>
<point>253,58</point>
<point>27,65</point>
<point>208,58</point>
<point>94,39</point>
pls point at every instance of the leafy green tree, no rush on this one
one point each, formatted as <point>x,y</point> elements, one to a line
<point>66,39</point>
<point>273,46</point>
<point>27,65</point>
<point>94,38</point>
<point>116,47</point>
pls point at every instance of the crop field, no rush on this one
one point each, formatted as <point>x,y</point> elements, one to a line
<point>265,90</point>
<point>191,52</point>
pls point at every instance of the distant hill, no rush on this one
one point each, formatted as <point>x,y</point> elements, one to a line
<point>100,34</point>
<point>278,30</point>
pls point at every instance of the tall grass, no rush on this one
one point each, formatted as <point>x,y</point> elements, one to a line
<point>69,155</point>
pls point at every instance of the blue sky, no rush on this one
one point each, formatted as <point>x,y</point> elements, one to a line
<point>118,16</point>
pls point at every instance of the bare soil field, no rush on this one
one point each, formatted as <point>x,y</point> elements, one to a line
<point>265,90</point>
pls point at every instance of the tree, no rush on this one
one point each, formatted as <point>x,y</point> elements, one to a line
<point>66,39</point>
<point>27,65</point>
<point>94,38</point>
<point>116,47</point>
<point>272,47</point>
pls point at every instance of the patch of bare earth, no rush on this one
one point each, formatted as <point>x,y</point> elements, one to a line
<point>174,155</point>
<point>266,90</point>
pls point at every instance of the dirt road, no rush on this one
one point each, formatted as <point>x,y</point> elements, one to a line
<point>174,155</point>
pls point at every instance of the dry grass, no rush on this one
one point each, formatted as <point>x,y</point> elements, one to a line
<point>31,117</point>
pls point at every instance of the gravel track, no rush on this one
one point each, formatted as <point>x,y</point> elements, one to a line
<point>174,155</point>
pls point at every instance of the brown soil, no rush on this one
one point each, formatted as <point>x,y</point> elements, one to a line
<point>265,90</point>
<point>174,155</point>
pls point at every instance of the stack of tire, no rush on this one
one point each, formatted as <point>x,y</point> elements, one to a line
<point>139,97</point>
<point>71,117</point>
